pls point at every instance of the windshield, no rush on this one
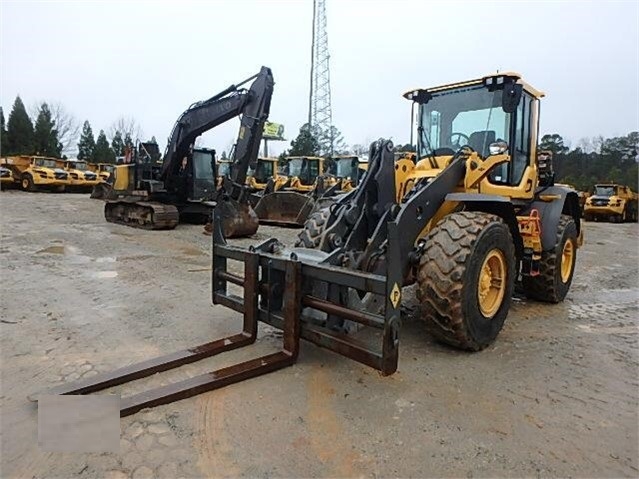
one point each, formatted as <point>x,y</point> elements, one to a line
<point>78,165</point>
<point>108,168</point>
<point>295,166</point>
<point>263,170</point>
<point>345,167</point>
<point>202,165</point>
<point>223,168</point>
<point>470,116</point>
<point>602,190</point>
<point>45,163</point>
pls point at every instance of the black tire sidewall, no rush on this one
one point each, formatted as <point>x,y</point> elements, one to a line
<point>569,232</point>
<point>29,181</point>
<point>495,236</point>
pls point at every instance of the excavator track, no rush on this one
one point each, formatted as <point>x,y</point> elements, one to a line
<point>146,215</point>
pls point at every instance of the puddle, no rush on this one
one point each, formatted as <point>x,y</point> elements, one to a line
<point>105,259</point>
<point>52,250</point>
<point>104,274</point>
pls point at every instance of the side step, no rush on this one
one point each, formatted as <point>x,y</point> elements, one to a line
<point>214,379</point>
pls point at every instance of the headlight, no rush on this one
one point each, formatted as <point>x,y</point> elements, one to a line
<point>498,147</point>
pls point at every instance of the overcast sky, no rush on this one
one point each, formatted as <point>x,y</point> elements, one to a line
<point>150,60</point>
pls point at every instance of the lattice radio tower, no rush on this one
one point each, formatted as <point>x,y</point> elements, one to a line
<point>320,116</point>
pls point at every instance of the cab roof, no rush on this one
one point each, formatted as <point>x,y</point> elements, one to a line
<point>479,81</point>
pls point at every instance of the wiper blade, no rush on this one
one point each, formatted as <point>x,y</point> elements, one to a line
<point>431,156</point>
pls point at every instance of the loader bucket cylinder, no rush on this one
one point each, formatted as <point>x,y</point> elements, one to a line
<point>284,208</point>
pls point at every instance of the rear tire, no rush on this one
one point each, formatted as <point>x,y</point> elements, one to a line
<point>555,275</point>
<point>466,279</point>
<point>314,227</point>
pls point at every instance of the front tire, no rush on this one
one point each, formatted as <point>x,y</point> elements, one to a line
<point>466,279</point>
<point>556,267</point>
<point>27,183</point>
<point>314,227</point>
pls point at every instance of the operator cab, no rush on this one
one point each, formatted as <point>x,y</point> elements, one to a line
<point>264,169</point>
<point>307,169</point>
<point>492,115</point>
<point>193,179</point>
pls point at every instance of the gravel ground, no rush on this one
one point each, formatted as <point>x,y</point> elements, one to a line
<point>557,394</point>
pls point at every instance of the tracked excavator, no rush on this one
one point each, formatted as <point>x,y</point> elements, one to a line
<point>186,185</point>
<point>471,217</point>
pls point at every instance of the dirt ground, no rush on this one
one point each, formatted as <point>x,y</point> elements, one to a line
<point>557,394</point>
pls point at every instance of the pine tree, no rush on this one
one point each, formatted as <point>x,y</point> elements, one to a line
<point>3,134</point>
<point>103,152</point>
<point>19,130</point>
<point>45,137</point>
<point>306,143</point>
<point>86,145</point>
<point>117,144</point>
<point>128,141</point>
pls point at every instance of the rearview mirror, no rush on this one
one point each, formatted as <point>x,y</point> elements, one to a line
<point>510,97</point>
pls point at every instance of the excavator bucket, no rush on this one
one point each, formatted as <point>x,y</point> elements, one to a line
<point>284,208</point>
<point>238,219</point>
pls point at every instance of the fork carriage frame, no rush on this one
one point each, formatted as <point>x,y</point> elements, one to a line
<point>267,281</point>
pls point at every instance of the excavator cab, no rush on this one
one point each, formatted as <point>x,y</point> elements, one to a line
<point>193,178</point>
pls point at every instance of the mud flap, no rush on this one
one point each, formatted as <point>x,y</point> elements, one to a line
<point>284,208</point>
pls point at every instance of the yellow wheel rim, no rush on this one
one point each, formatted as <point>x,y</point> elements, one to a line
<point>567,258</point>
<point>25,183</point>
<point>492,283</point>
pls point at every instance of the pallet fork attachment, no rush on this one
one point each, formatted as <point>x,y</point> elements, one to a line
<point>308,294</point>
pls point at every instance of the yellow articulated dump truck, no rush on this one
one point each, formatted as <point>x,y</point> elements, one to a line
<point>81,178</point>
<point>34,173</point>
<point>613,202</point>
<point>103,170</point>
<point>6,178</point>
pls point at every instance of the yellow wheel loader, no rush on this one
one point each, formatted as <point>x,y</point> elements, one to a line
<point>347,171</point>
<point>471,217</point>
<point>613,202</point>
<point>265,171</point>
